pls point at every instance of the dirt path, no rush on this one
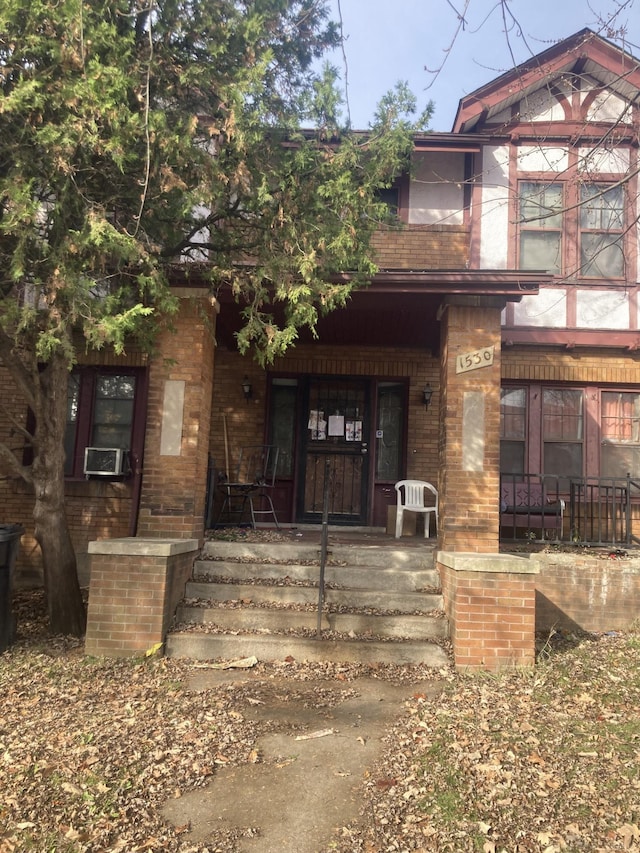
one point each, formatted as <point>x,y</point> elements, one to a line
<point>305,785</point>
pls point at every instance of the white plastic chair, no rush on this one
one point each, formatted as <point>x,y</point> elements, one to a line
<point>411,498</point>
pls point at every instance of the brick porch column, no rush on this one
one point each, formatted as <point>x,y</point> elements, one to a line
<point>174,481</point>
<point>469,431</point>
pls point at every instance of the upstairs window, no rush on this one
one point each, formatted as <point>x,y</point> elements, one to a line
<point>540,216</point>
<point>592,214</point>
<point>390,197</point>
<point>601,230</point>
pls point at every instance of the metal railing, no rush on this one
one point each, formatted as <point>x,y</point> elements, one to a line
<point>601,510</point>
<point>587,510</point>
<point>531,507</point>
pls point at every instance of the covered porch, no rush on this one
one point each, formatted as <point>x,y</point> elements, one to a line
<point>356,397</point>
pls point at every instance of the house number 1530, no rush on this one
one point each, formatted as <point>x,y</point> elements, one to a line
<point>473,360</point>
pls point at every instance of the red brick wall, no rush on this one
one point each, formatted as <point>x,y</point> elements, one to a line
<point>95,509</point>
<point>581,591</point>
<point>435,247</point>
<point>246,421</point>
<point>174,487</point>
<point>132,601</point>
<point>491,616</point>
<point>494,615</point>
<point>540,364</point>
<point>15,502</point>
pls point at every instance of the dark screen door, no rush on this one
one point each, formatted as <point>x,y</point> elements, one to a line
<point>334,452</point>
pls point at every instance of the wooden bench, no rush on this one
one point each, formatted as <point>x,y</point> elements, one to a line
<point>526,505</point>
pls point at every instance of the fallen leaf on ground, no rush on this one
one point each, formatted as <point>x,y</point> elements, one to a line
<point>319,733</point>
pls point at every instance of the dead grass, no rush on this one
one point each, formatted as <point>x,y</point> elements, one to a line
<point>542,761</point>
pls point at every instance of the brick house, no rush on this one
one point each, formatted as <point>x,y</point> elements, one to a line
<point>509,289</point>
<point>518,251</point>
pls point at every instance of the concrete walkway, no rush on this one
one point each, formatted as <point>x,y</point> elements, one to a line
<point>308,781</point>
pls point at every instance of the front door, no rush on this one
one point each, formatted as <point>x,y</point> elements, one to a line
<point>334,450</point>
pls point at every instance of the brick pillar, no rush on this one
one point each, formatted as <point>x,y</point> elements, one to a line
<point>174,482</point>
<point>136,585</point>
<point>490,601</point>
<point>469,434</point>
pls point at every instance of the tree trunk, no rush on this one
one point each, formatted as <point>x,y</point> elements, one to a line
<point>64,599</point>
<point>62,588</point>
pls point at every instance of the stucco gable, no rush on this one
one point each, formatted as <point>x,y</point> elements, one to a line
<point>583,77</point>
<point>547,103</point>
<point>604,105</point>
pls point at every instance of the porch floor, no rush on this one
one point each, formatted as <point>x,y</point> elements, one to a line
<point>311,534</point>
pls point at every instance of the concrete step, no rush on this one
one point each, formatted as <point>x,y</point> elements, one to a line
<point>261,619</point>
<point>418,556</point>
<point>352,576</point>
<point>200,646</point>
<point>386,600</point>
<point>377,611</point>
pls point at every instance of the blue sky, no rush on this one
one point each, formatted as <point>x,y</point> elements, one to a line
<point>390,40</point>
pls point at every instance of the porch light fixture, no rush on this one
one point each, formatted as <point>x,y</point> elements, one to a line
<point>247,390</point>
<point>427,394</point>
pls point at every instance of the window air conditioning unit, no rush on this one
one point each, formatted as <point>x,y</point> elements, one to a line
<point>105,461</point>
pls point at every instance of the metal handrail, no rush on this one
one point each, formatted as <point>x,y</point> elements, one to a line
<point>324,544</point>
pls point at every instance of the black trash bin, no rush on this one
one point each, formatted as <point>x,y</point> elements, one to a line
<point>9,539</point>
